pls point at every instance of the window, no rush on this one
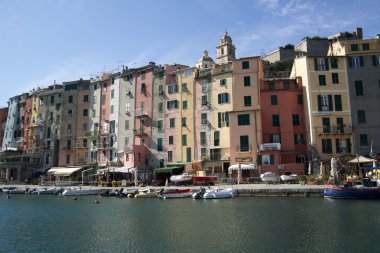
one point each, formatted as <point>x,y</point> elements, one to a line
<point>71,98</point>
<point>326,125</point>
<point>361,117</point>
<point>273,99</point>
<point>335,78</point>
<point>365,46</point>
<point>322,80</point>
<point>298,139</point>
<point>375,60</point>
<point>172,122</point>
<point>68,128</point>
<point>184,87</point>
<point>184,105</point>
<point>321,64</point>
<point>204,86</point>
<point>142,142</point>
<point>112,109</point>
<point>363,140</point>
<point>326,146</point>
<point>223,119</point>
<point>85,112</point>
<point>183,122</point>
<point>204,100</point>
<point>356,61</point>
<point>354,47</point>
<point>271,86</point>
<point>84,127</point>
<point>170,156</point>
<point>52,100</point>
<point>216,138</point>
<point>103,99</point>
<point>67,159</point>
<point>247,101</point>
<point>203,152</point>
<point>143,88</point>
<point>274,138</point>
<point>325,103</point>
<point>247,81</point>
<point>160,107</point>
<point>160,89</point>
<point>171,139</point>
<point>70,113</point>
<point>300,99</point>
<point>126,125</point>
<point>112,80</point>
<point>245,65</point>
<point>160,124</point>
<point>68,144</point>
<point>223,81</point>
<point>340,125</point>
<point>172,104</point>
<point>286,85</point>
<point>204,118</point>
<point>244,143</point>
<point>243,120</point>
<point>222,98</point>
<point>203,138</point>
<point>334,63</point>
<point>188,154</point>
<point>159,144</point>
<point>359,88</point>
<point>184,140</point>
<point>112,93</point>
<point>296,120</point>
<point>275,120</point>
<point>172,89</point>
<point>265,159</point>
<point>338,102</point>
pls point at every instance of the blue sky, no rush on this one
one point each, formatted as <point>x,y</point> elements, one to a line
<point>46,40</point>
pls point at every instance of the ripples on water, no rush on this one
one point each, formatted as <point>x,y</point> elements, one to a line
<point>59,224</point>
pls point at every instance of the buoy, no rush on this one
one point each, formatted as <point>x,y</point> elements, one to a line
<point>129,195</point>
<point>75,198</point>
<point>8,197</point>
<point>96,201</point>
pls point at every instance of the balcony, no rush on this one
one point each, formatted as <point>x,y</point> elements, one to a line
<point>270,146</point>
<point>243,148</point>
<point>91,133</point>
<point>142,112</point>
<point>333,130</point>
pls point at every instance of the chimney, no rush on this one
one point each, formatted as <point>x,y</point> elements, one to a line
<point>359,33</point>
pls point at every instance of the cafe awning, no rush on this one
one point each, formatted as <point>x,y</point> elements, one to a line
<point>63,171</point>
<point>242,167</point>
<point>166,169</point>
<point>362,159</point>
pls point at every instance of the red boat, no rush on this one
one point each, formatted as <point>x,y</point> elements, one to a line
<point>204,180</point>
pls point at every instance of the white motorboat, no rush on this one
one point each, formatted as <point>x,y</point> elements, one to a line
<point>45,190</point>
<point>215,193</point>
<point>185,178</point>
<point>174,193</point>
<point>82,191</point>
<point>270,177</point>
<point>146,193</point>
<point>289,178</point>
<point>16,190</point>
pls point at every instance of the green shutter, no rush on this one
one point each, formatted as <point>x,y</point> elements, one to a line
<point>330,103</point>
<point>219,120</point>
<point>338,102</point>
<point>327,63</point>
<point>319,103</point>
<point>227,119</point>
<point>315,64</point>
<point>361,61</point>
<point>374,60</point>
<point>259,160</point>
<point>271,159</point>
<point>349,62</point>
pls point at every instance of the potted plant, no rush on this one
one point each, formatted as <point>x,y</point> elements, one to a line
<point>311,179</point>
<point>302,179</point>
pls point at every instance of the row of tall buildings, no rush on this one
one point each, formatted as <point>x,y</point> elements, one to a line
<point>212,115</point>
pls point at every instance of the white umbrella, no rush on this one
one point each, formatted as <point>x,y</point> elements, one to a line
<point>309,172</point>
<point>334,172</point>
<point>321,170</point>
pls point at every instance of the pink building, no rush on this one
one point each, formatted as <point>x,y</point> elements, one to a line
<point>3,121</point>
<point>104,121</point>
<point>283,127</point>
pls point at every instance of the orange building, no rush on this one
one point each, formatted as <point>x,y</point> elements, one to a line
<point>283,127</point>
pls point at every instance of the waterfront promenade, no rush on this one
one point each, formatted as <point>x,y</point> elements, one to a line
<point>296,190</point>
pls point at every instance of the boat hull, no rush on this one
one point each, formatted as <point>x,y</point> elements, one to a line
<point>80,192</point>
<point>204,180</point>
<point>174,194</point>
<point>336,192</point>
<point>223,194</point>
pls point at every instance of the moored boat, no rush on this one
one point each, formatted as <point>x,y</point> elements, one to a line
<point>44,190</point>
<point>270,177</point>
<point>217,194</point>
<point>81,191</point>
<point>289,178</point>
<point>174,193</point>
<point>146,193</point>
<point>342,192</point>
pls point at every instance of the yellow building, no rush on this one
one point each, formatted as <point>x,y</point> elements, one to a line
<point>185,115</point>
<point>33,137</point>
<point>327,105</point>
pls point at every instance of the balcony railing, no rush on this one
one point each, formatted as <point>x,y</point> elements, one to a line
<point>141,112</point>
<point>270,146</point>
<point>243,148</point>
<point>139,131</point>
<point>333,130</point>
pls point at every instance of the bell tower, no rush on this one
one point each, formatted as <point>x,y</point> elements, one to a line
<point>225,51</point>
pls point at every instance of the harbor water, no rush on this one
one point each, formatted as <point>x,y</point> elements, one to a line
<point>257,224</point>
